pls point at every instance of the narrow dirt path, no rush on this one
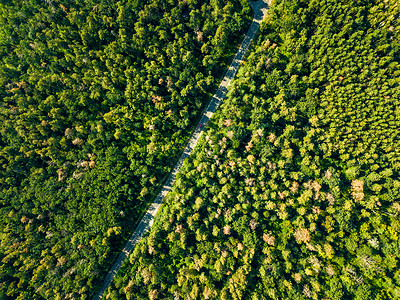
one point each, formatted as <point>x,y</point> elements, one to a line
<point>259,8</point>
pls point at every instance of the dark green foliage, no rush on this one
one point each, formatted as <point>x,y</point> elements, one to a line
<point>293,192</point>
<point>97,100</point>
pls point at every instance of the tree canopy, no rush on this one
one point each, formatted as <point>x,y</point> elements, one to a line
<point>293,192</point>
<point>98,98</point>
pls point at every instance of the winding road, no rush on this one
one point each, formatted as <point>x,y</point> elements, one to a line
<point>259,8</point>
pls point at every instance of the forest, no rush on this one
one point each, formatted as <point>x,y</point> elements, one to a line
<point>294,190</point>
<point>97,100</point>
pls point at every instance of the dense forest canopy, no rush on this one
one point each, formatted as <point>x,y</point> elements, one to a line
<point>294,191</point>
<point>97,100</point>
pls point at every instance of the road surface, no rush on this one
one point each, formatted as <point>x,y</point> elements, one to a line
<point>259,8</point>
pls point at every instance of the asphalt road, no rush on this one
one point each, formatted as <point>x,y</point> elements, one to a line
<point>259,8</point>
